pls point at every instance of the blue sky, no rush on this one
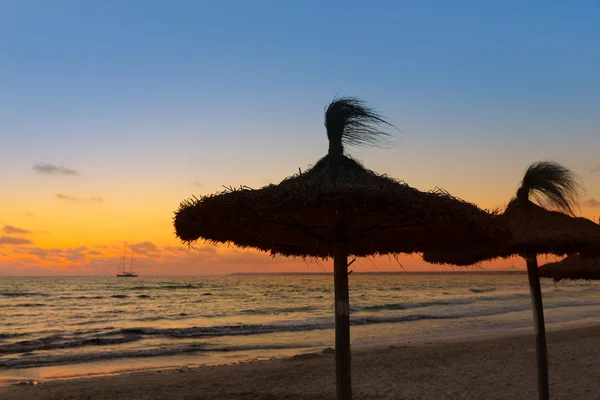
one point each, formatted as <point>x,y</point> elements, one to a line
<point>181,81</point>
<point>144,97</point>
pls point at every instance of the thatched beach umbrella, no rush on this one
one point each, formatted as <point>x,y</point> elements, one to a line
<point>573,267</point>
<point>461,256</point>
<point>536,230</point>
<point>338,209</point>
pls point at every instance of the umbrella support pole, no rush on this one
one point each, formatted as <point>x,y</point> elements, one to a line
<point>342,315</point>
<point>540,329</point>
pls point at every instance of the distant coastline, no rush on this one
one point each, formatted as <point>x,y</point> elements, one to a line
<point>482,272</point>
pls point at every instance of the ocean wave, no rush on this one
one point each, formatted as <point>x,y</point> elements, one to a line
<point>88,322</point>
<point>327,289</point>
<point>481,290</point>
<point>261,329</point>
<point>224,330</point>
<point>150,318</point>
<point>23,294</point>
<point>513,296</point>
<point>119,296</point>
<point>4,336</point>
<point>55,342</point>
<point>36,360</point>
<point>30,305</point>
<point>441,302</point>
<point>165,287</point>
<point>464,301</point>
<point>409,305</point>
<point>274,310</point>
<point>328,323</point>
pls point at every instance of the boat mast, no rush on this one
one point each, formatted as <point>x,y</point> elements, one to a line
<point>124,255</point>
<point>131,265</point>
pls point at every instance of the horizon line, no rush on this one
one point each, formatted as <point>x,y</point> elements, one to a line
<point>470,272</point>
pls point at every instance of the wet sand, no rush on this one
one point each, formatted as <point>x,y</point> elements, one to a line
<point>499,368</point>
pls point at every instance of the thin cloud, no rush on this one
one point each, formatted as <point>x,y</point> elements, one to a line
<point>175,249</point>
<point>196,184</point>
<point>67,198</point>
<point>53,169</point>
<point>93,199</point>
<point>76,255</point>
<point>14,240</point>
<point>53,255</point>
<point>145,248</point>
<point>73,255</point>
<point>595,169</point>
<point>592,202</point>
<point>25,214</point>
<point>13,230</point>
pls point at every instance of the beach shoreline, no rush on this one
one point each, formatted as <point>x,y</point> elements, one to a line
<point>125,366</point>
<point>424,367</point>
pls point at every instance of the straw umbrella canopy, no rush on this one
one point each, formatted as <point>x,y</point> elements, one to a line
<point>297,217</point>
<point>573,267</point>
<point>338,209</point>
<point>540,231</point>
<point>536,230</point>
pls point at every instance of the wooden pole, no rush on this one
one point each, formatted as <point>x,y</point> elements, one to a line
<point>342,313</point>
<point>540,329</point>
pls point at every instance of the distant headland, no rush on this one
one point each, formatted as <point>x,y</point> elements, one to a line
<point>470,272</point>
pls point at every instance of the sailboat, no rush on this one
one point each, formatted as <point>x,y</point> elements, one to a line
<point>122,271</point>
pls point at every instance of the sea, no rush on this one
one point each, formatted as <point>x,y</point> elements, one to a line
<point>56,327</point>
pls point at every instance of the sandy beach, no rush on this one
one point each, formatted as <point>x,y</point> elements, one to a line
<point>499,368</point>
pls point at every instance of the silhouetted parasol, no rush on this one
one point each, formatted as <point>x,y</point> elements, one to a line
<point>335,209</point>
<point>536,230</point>
<point>573,267</point>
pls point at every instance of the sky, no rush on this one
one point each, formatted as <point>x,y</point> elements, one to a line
<point>113,112</point>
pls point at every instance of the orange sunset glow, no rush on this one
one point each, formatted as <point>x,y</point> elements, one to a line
<point>55,235</point>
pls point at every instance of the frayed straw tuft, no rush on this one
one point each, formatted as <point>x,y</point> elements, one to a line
<point>350,122</point>
<point>554,186</point>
